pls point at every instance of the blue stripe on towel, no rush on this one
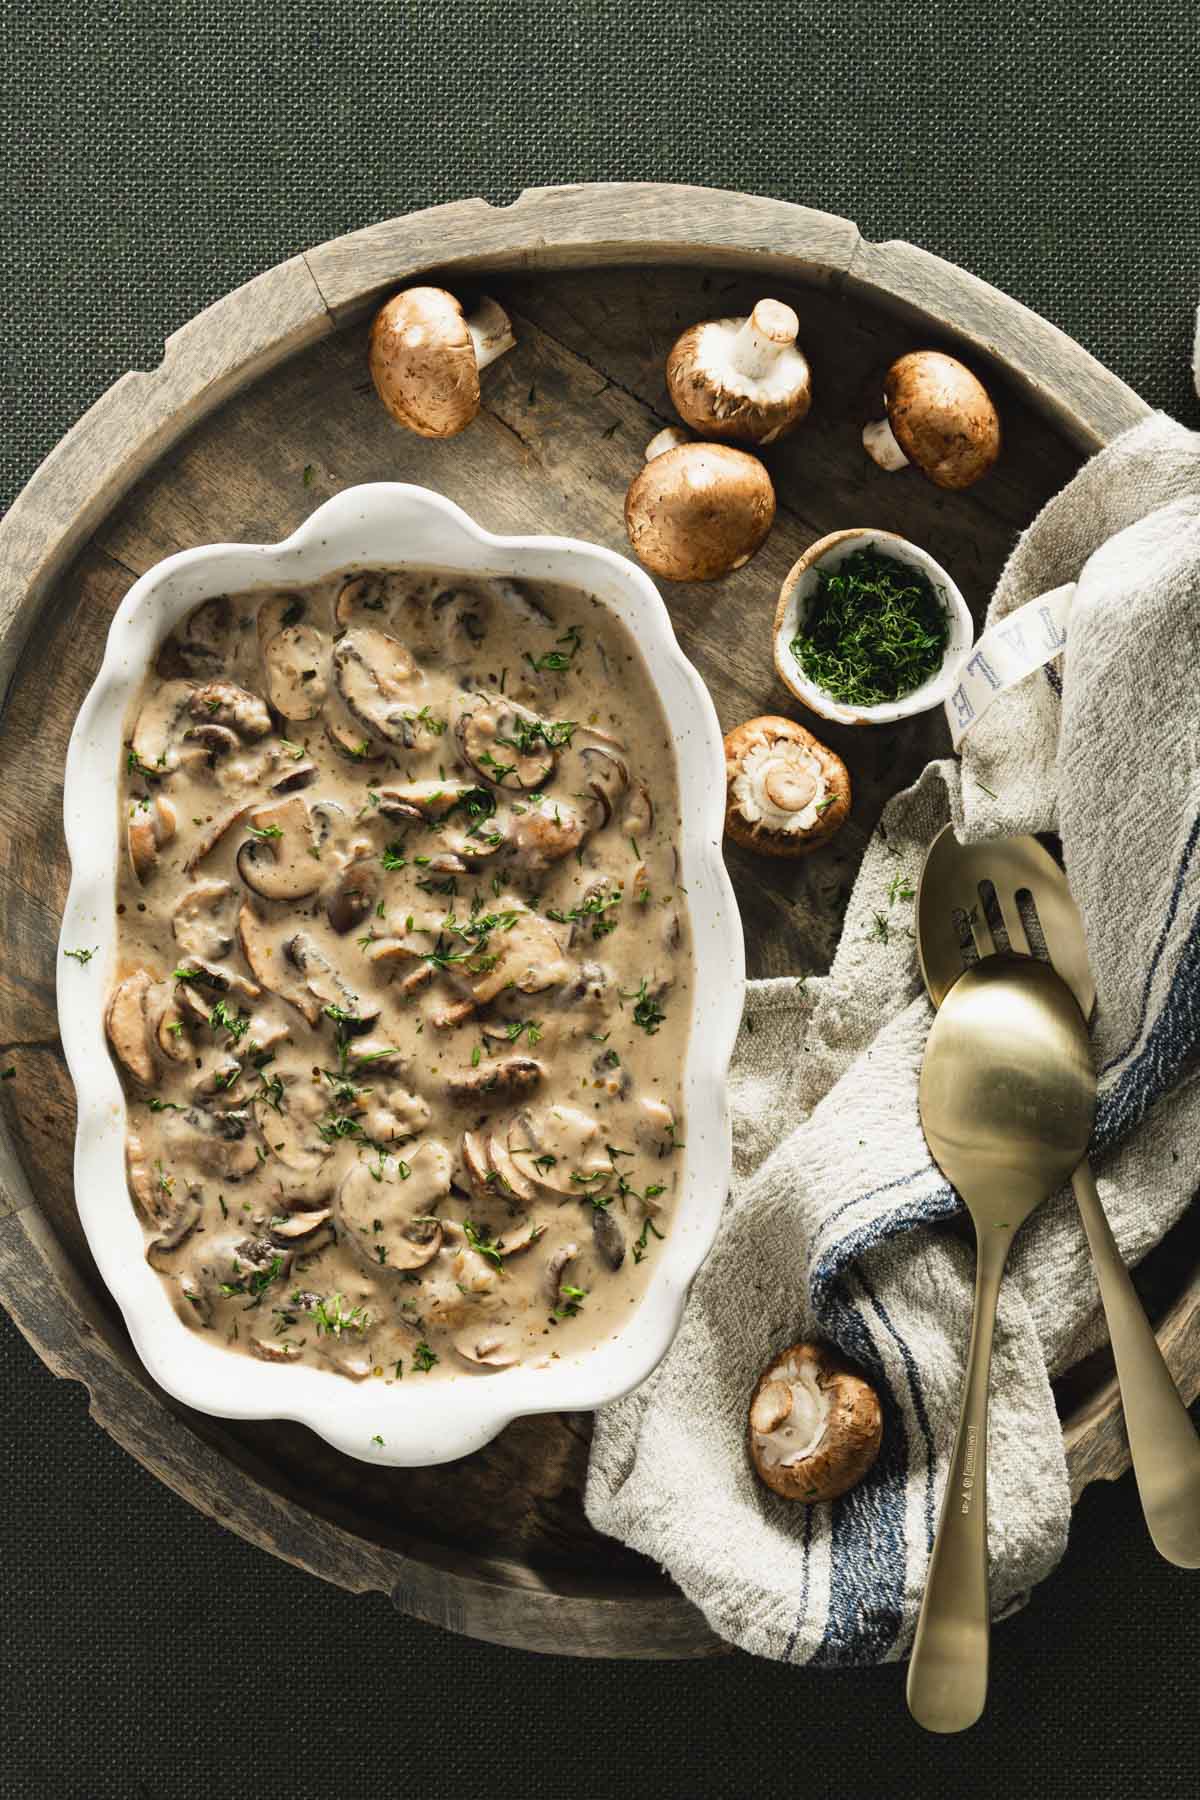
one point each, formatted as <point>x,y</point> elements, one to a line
<point>867,1549</point>
<point>1189,850</point>
<point>867,1539</point>
<point>918,1399</point>
<point>862,1199</point>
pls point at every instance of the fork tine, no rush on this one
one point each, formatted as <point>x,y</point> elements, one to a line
<point>981,931</point>
<point>1014,924</point>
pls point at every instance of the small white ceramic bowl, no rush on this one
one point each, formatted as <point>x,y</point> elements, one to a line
<point>798,592</point>
<point>411,1422</point>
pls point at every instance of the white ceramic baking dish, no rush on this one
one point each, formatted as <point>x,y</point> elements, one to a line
<point>419,1421</point>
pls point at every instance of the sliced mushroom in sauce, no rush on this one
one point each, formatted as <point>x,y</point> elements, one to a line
<point>405,974</point>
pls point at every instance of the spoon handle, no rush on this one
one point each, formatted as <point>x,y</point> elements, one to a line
<point>1163,1444</point>
<point>948,1670</point>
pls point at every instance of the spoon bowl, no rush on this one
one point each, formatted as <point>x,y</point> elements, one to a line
<point>1007,1099</point>
<point>1007,1090</point>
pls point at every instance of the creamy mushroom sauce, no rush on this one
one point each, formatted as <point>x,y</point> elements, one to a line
<point>404,973</point>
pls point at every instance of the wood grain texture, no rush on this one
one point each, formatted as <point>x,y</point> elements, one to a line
<point>1047,366</point>
<point>593,225</point>
<point>260,411</point>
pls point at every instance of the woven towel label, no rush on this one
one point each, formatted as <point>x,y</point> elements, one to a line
<point>1012,649</point>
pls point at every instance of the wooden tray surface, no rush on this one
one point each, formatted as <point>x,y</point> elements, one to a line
<point>260,410</point>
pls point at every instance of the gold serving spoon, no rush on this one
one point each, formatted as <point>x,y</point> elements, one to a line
<point>1163,1445</point>
<point>1007,1098</point>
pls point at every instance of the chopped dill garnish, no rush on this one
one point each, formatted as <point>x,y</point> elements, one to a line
<point>488,1248</point>
<point>641,1247</point>
<point>877,628</point>
<point>596,908</point>
<point>646,1012</point>
<point>221,1019</point>
<point>572,1298</point>
<point>330,1317</point>
<point>529,734</point>
<point>515,1028</point>
<point>556,660</point>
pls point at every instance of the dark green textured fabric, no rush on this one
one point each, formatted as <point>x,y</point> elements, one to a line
<point>155,155</point>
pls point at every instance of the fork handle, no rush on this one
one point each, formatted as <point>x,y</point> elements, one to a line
<point>948,1669</point>
<point>1163,1444</point>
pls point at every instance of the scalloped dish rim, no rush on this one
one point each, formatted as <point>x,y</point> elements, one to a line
<point>396,525</point>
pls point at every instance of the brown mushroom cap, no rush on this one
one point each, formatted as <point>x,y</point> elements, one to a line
<point>698,511</point>
<point>425,359</point>
<point>942,418</point>
<point>786,792</point>
<point>814,1424</point>
<point>742,379</point>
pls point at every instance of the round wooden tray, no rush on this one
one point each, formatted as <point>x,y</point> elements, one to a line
<point>260,409</point>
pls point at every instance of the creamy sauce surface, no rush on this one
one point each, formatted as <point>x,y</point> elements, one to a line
<point>404,973</point>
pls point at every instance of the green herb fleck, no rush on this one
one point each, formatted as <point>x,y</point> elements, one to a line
<point>82,957</point>
<point>488,1248</point>
<point>498,769</point>
<point>331,1317</point>
<point>556,660</point>
<point>256,1284</point>
<point>596,908</point>
<point>221,1019</point>
<point>532,1027</point>
<point>647,1012</point>
<point>135,766</point>
<point>572,1298</point>
<point>641,1247</point>
<point>529,734</point>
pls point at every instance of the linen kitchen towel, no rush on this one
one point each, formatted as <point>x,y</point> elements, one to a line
<point>840,1227</point>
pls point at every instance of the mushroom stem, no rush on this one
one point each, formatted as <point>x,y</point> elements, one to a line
<point>880,444</point>
<point>669,438</point>
<point>491,332</point>
<point>771,329</point>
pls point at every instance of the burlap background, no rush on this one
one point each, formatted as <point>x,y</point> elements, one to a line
<point>152,156</point>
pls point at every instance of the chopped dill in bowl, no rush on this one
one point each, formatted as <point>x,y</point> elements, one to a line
<point>875,629</point>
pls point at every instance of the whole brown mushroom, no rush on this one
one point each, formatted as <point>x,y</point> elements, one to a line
<point>939,417</point>
<point>425,358</point>
<point>696,512</point>
<point>815,1425</point>
<point>787,793</point>
<point>742,379</point>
